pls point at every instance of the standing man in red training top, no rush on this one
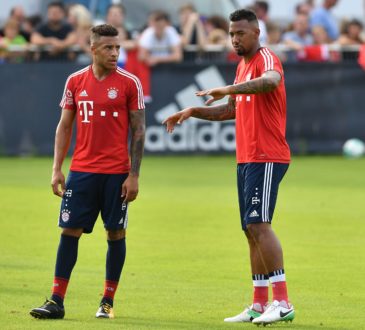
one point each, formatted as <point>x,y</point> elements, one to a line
<point>105,102</point>
<point>257,101</point>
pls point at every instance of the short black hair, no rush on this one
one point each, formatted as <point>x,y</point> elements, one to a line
<point>263,5</point>
<point>103,30</point>
<point>243,14</point>
<point>58,4</point>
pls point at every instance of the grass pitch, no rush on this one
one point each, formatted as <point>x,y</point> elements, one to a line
<point>187,263</point>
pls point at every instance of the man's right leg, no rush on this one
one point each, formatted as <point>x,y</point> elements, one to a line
<point>65,262</point>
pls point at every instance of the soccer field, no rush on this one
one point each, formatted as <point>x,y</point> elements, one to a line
<point>187,261</point>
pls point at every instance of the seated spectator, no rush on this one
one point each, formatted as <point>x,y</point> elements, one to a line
<point>191,27</point>
<point>274,33</point>
<point>80,19</point>
<point>160,43</point>
<point>319,50</point>
<point>217,30</point>
<point>322,16</point>
<point>13,45</point>
<point>299,36</point>
<point>55,33</point>
<point>351,33</point>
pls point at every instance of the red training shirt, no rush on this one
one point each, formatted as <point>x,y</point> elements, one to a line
<point>102,119</point>
<point>261,118</point>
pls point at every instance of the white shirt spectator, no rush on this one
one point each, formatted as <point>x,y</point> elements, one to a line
<point>160,47</point>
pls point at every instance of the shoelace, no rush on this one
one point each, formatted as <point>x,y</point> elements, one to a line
<point>106,308</point>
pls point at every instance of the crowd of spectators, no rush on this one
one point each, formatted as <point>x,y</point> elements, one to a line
<point>313,35</point>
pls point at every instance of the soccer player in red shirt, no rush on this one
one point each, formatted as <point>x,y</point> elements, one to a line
<point>105,102</point>
<point>257,101</point>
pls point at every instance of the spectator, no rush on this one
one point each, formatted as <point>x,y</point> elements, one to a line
<point>319,50</point>
<point>191,27</point>
<point>160,43</point>
<point>31,23</point>
<point>55,33</point>
<point>261,8</point>
<point>80,19</point>
<point>17,14</point>
<point>304,8</point>
<point>274,33</point>
<point>217,30</point>
<point>322,16</point>
<point>351,33</point>
<point>299,36</point>
<point>12,38</point>
<point>116,17</point>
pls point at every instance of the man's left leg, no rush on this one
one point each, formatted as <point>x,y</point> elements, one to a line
<point>269,249</point>
<point>115,258</point>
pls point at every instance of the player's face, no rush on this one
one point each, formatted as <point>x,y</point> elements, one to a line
<point>244,37</point>
<point>106,51</point>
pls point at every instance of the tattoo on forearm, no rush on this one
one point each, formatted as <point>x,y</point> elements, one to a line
<point>217,113</point>
<point>267,83</point>
<point>138,127</point>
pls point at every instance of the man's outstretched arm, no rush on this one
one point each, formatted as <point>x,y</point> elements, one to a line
<point>216,113</point>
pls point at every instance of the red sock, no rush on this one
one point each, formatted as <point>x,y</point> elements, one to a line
<point>59,287</point>
<point>260,296</point>
<point>260,291</point>
<point>279,291</point>
<point>110,287</point>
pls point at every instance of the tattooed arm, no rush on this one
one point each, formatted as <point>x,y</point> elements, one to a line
<point>217,113</point>
<point>138,127</point>
<point>264,84</point>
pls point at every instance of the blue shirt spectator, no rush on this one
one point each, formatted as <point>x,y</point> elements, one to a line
<point>322,16</point>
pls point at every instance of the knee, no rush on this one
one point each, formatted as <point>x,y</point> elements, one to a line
<point>75,232</point>
<point>256,231</point>
<point>114,235</point>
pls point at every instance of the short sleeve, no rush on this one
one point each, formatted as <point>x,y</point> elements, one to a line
<point>174,37</point>
<point>146,38</point>
<point>135,95</point>
<point>68,97</point>
<point>268,61</point>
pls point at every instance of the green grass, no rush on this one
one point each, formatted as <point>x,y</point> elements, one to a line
<point>187,263</point>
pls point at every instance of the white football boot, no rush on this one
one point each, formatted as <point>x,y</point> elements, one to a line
<point>246,316</point>
<point>275,312</point>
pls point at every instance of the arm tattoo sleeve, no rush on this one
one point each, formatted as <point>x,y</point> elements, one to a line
<point>138,127</point>
<point>266,83</point>
<point>217,113</point>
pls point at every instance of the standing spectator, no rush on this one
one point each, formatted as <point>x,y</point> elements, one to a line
<point>80,19</point>
<point>31,23</point>
<point>17,14</point>
<point>55,33</point>
<point>191,27</point>
<point>12,38</point>
<point>322,16</point>
<point>305,7</point>
<point>299,36</point>
<point>261,9</point>
<point>217,30</point>
<point>116,17</point>
<point>351,33</point>
<point>160,42</point>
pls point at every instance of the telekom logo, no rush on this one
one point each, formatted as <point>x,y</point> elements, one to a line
<point>86,110</point>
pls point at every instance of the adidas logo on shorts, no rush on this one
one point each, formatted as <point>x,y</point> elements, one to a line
<point>253,214</point>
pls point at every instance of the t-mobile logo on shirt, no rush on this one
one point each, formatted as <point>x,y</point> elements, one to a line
<point>86,110</point>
